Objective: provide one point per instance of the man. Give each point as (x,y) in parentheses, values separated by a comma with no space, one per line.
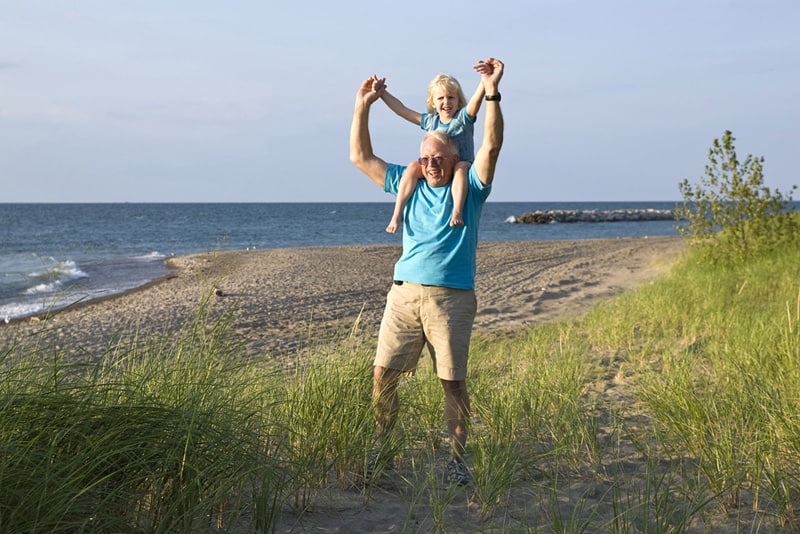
(432,301)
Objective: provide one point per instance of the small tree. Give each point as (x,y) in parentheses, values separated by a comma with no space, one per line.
(731,213)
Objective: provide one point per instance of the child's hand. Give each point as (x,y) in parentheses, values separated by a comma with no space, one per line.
(483,67)
(378,85)
(372,88)
(490,70)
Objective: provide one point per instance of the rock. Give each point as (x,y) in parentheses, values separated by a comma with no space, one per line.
(571,216)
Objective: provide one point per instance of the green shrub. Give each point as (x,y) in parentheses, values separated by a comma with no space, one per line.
(730,213)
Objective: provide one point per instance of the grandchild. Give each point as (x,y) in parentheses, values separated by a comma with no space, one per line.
(447,110)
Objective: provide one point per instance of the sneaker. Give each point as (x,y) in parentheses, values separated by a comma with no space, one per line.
(458,473)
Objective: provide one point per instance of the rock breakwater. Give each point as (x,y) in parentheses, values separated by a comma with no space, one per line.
(572,216)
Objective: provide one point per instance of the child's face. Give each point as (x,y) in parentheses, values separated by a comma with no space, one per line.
(445,103)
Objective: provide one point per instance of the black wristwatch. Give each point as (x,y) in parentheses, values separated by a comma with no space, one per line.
(493,98)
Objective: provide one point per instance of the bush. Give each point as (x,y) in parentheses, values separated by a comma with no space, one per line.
(731,214)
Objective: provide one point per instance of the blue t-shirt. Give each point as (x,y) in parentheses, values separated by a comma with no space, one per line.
(435,253)
(461,128)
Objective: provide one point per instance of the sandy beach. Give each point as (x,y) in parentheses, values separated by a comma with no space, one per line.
(281,298)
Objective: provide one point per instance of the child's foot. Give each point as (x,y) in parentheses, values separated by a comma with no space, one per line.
(457,220)
(392,228)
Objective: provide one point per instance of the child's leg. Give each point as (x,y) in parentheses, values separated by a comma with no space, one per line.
(459,192)
(408,182)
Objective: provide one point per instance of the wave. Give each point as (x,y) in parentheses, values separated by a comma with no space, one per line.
(151,256)
(16,310)
(54,278)
(33,285)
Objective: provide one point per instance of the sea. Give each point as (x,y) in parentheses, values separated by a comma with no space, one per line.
(54,255)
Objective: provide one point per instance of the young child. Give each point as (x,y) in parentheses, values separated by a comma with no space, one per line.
(447,110)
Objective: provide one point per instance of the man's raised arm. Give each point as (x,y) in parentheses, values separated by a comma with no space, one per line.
(361,153)
(485,163)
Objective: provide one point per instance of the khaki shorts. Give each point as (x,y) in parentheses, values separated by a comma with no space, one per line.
(416,316)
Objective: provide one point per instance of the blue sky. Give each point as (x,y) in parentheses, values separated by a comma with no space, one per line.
(196,101)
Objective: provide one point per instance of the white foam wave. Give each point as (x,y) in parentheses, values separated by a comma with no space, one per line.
(15,310)
(55,277)
(43,288)
(151,256)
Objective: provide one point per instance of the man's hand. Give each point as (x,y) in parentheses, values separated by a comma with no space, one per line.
(491,71)
(371,90)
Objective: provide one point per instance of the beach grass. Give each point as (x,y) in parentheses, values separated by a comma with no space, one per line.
(672,408)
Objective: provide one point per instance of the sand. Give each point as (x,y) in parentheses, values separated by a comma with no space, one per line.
(282,298)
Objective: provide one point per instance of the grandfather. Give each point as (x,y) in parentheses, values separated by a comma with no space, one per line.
(432,300)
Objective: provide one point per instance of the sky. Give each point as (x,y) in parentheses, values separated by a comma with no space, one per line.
(251,101)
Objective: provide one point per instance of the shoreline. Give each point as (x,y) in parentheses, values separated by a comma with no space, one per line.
(44,316)
(281,299)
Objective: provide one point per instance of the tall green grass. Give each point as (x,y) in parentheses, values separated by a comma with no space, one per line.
(716,355)
(674,408)
(155,437)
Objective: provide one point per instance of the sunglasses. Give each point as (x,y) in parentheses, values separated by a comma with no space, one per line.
(435,161)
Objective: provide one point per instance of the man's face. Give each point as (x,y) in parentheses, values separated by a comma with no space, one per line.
(437,161)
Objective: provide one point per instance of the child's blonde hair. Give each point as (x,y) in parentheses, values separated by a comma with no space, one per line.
(448,83)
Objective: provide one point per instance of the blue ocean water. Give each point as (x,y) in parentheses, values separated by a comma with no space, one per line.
(52,255)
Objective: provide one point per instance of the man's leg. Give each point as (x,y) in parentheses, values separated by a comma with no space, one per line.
(456,414)
(449,315)
(400,343)
(386,405)
(385,399)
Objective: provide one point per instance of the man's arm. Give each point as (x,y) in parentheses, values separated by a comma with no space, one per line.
(474,104)
(485,162)
(361,153)
(400,109)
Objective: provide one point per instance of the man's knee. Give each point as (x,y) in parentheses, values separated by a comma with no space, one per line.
(384,377)
(378,373)
(455,389)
